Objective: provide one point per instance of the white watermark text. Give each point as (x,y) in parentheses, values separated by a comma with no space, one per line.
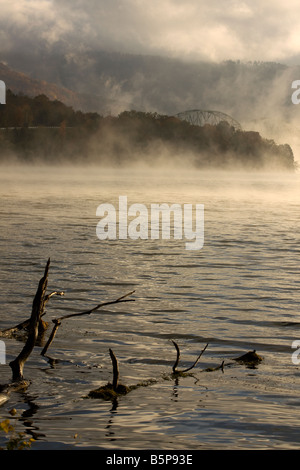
(140,222)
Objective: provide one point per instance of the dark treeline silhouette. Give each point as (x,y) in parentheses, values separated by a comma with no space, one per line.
(38,129)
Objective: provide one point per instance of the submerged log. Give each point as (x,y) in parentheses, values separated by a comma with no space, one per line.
(38,305)
(111,390)
(5,390)
(251,358)
(3,398)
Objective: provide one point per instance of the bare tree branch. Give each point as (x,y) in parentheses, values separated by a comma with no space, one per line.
(57,321)
(51,337)
(177,358)
(175,371)
(48,296)
(195,363)
(88,312)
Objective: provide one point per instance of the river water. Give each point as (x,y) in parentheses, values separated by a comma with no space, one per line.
(238,293)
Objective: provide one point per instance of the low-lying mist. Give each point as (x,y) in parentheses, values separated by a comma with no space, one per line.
(149,140)
(93,184)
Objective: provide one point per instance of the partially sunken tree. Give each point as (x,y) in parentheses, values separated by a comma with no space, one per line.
(17,365)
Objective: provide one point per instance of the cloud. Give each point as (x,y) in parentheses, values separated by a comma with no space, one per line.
(206,29)
(62,41)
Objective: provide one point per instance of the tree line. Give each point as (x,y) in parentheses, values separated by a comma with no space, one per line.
(40,129)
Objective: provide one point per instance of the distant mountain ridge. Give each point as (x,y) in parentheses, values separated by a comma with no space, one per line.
(20,83)
(111,82)
(257,94)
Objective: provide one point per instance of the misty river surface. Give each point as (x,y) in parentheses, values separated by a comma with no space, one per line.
(239,293)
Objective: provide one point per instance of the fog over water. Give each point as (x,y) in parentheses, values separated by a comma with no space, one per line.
(238,293)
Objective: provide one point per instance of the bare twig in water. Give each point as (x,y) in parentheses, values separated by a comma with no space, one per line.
(48,296)
(57,321)
(112,391)
(88,312)
(175,371)
(51,337)
(115,370)
(177,357)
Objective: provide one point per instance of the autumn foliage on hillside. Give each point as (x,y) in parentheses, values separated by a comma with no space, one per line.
(38,129)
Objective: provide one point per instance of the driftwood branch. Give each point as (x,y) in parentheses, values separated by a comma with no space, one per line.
(48,296)
(115,370)
(17,365)
(112,391)
(57,321)
(24,325)
(175,371)
(177,357)
(51,337)
(104,304)
(21,326)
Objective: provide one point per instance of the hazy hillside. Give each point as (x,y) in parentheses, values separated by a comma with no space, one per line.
(19,82)
(257,94)
(38,129)
(149,83)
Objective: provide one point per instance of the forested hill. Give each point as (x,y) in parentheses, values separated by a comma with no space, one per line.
(38,129)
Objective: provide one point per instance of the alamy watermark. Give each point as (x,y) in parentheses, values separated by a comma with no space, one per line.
(2,92)
(295,95)
(2,352)
(139,222)
(296,354)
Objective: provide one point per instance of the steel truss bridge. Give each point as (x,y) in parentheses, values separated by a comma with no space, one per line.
(200,117)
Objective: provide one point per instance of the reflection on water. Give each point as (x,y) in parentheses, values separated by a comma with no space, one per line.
(240,292)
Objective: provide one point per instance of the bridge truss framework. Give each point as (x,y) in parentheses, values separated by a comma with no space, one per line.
(200,117)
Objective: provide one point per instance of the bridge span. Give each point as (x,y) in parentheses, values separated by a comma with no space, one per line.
(200,117)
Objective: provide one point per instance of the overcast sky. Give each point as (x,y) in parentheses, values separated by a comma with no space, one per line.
(195,29)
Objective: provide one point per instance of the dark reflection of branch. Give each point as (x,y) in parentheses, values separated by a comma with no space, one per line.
(175,389)
(28,423)
(52,362)
(32,410)
(113,411)
(115,405)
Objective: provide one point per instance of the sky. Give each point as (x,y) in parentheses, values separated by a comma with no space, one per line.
(211,30)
